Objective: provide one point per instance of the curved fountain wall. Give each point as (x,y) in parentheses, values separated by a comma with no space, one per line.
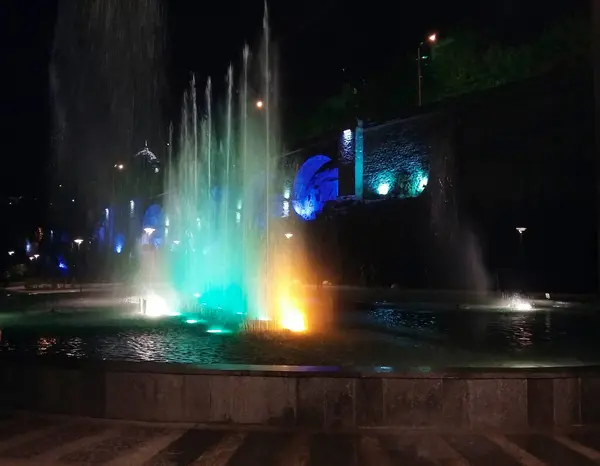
(317,397)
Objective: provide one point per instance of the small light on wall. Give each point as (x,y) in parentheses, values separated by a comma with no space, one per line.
(383,189)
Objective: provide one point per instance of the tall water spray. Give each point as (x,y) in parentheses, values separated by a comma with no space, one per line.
(219,194)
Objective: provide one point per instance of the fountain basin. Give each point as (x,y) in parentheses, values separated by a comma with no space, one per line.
(374,366)
(307,396)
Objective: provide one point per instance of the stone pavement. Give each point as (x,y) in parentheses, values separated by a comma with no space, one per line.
(46,441)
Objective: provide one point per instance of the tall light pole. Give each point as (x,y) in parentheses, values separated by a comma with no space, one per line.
(78,242)
(521,230)
(149,231)
(430,39)
(595,50)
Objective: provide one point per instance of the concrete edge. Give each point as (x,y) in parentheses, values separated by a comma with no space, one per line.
(422,372)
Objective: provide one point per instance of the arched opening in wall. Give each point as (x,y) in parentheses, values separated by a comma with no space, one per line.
(315,184)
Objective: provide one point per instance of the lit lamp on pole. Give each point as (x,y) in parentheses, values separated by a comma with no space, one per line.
(78,242)
(260,104)
(119,167)
(521,230)
(289,235)
(148,231)
(431,39)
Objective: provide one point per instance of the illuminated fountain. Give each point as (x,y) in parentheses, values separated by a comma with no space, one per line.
(518,303)
(220,251)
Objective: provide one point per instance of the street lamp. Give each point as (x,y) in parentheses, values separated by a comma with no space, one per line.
(259,104)
(431,38)
(521,230)
(11,253)
(289,235)
(149,230)
(78,242)
(119,166)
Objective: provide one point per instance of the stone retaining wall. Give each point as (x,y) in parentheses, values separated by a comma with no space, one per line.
(305,396)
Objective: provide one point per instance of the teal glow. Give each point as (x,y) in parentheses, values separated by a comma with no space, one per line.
(191,321)
(220,197)
(405,185)
(383,183)
(422,181)
(383,189)
(359,163)
(216,330)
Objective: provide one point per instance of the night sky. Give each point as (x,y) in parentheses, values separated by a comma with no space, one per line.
(316,39)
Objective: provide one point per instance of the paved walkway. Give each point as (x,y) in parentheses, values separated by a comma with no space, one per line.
(27,440)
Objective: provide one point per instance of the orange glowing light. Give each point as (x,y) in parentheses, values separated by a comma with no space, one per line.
(291,317)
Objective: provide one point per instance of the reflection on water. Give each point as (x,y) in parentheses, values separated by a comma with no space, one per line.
(568,332)
(45,345)
(183,344)
(433,335)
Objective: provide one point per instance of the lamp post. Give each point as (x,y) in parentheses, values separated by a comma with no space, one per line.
(149,231)
(521,230)
(430,39)
(595,51)
(78,242)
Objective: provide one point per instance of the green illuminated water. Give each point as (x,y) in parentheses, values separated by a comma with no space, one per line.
(218,182)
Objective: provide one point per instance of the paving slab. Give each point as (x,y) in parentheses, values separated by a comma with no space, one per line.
(28,439)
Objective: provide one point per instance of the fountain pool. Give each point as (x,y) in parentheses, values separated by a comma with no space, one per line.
(349,334)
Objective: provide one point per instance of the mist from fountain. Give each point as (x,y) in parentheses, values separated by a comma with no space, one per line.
(107,82)
(477,274)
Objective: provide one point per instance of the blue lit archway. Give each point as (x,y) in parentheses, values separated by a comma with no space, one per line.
(315,184)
